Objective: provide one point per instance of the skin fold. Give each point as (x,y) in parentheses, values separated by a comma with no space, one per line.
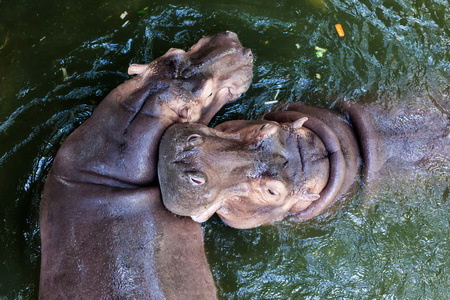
(104,230)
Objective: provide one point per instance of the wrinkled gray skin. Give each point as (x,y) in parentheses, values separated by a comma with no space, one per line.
(105,232)
(296,162)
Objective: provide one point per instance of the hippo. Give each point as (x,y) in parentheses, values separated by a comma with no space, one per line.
(296,162)
(105,233)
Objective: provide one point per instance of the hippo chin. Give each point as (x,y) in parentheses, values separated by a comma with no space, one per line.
(295,162)
(104,230)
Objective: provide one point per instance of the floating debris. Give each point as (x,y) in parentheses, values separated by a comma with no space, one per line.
(297,45)
(271,102)
(320,51)
(143,11)
(65,74)
(123,15)
(126,23)
(4,43)
(318,76)
(339,30)
(276,94)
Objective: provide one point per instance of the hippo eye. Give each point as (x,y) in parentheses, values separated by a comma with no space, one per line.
(194,140)
(272,192)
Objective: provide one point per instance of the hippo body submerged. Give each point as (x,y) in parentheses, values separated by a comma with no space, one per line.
(105,233)
(355,143)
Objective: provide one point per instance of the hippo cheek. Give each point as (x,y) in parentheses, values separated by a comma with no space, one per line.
(265,203)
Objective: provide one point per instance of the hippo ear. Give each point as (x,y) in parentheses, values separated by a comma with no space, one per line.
(268,129)
(137,69)
(303,201)
(309,197)
(299,123)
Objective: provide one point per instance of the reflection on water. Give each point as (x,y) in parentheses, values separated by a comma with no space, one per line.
(393,245)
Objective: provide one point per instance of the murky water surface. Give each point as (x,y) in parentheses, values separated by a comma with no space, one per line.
(58,59)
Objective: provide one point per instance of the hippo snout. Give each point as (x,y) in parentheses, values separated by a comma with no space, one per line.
(187,161)
(186,188)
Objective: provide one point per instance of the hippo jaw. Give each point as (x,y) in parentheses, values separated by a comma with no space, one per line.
(257,187)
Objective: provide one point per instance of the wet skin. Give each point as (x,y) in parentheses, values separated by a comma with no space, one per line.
(296,162)
(104,230)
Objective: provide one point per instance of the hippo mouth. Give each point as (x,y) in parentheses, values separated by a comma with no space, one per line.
(337,164)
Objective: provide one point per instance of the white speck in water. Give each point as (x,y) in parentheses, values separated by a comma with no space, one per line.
(276,94)
(64,71)
(270,102)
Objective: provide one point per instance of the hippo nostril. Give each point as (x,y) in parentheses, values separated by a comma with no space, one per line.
(196,178)
(194,140)
(193,137)
(197,181)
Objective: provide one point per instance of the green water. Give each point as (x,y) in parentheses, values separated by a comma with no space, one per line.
(391,245)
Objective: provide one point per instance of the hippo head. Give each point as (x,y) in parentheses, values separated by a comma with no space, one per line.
(248,172)
(192,86)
